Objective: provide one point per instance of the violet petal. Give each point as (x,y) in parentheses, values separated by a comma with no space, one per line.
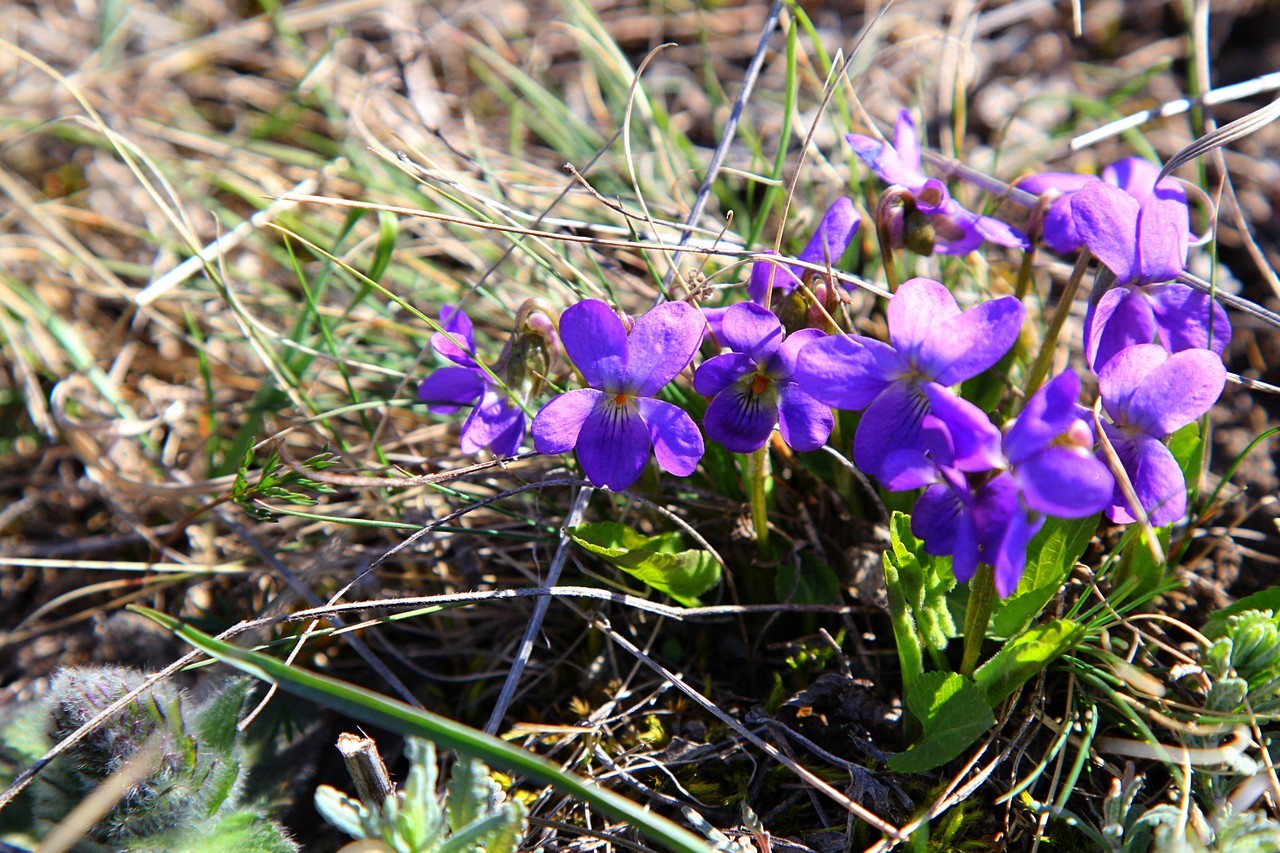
(963,346)
(1065,482)
(596,342)
(834,233)
(1157,480)
(892,420)
(1047,415)
(916,309)
(493,423)
(751,329)
(846,371)
(975,441)
(613,445)
(741,420)
(1107,219)
(1122,318)
(677,444)
(1162,240)
(717,373)
(782,364)
(449,388)
(1188,319)
(805,423)
(661,344)
(1177,392)
(558,424)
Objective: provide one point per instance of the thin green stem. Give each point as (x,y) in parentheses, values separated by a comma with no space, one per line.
(757,472)
(1044,359)
(982,600)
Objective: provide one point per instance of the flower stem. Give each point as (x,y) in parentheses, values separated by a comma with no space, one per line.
(757,472)
(1044,359)
(982,600)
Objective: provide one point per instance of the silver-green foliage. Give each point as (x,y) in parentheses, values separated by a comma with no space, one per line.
(188,793)
(473,814)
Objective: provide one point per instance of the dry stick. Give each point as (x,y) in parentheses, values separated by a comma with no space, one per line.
(726,138)
(769,749)
(539,612)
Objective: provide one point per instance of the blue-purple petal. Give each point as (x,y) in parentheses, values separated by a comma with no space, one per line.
(1001,233)
(1162,240)
(1107,220)
(613,445)
(718,373)
(449,388)
(661,344)
(782,364)
(805,423)
(1177,392)
(1011,555)
(846,371)
(785,278)
(1047,415)
(974,440)
(963,346)
(677,444)
(457,325)
(493,423)
(885,162)
(834,233)
(916,309)
(1063,182)
(751,329)
(1122,376)
(1188,319)
(740,419)
(892,420)
(596,342)
(944,523)
(1065,482)
(558,424)
(1157,480)
(1120,319)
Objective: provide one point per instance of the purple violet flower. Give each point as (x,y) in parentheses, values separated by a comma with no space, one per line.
(1134,175)
(1149,393)
(956,231)
(830,240)
(933,343)
(494,422)
(615,423)
(1144,244)
(1048,469)
(752,386)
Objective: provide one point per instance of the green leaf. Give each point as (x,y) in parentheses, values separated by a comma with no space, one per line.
(925,581)
(1050,557)
(393,715)
(954,715)
(1188,448)
(1267,599)
(1024,656)
(817,583)
(656,561)
(215,722)
(470,788)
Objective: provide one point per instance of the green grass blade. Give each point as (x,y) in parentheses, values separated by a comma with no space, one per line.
(378,710)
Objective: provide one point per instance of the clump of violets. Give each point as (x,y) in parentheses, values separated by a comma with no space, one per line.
(1149,393)
(752,389)
(987,497)
(615,423)
(1144,243)
(917,212)
(933,344)
(495,422)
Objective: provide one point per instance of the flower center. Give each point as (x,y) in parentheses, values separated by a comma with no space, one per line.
(760,383)
(621,399)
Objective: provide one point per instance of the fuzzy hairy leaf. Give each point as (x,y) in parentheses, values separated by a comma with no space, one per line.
(924,581)
(656,561)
